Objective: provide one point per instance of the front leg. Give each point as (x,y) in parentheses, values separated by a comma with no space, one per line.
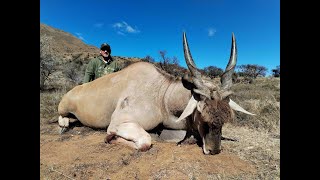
(130,134)
(187,139)
(191,138)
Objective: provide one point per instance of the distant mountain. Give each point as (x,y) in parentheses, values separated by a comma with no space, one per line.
(65,44)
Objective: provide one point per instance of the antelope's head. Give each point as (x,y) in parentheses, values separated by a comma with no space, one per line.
(210,105)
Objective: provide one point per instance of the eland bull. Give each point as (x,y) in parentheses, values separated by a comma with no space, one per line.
(130,102)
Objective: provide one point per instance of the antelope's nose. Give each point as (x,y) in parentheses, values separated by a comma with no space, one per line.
(216,151)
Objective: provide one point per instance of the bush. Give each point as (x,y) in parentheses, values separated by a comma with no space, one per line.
(251,70)
(47,60)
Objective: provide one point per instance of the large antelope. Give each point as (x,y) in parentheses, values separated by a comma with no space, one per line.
(130,102)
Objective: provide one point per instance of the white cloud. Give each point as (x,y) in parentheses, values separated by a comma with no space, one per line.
(120,33)
(123,28)
(130,29)
(117,25)
(211,32)
(98,25)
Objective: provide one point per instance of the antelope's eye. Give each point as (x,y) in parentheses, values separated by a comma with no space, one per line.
(213,126)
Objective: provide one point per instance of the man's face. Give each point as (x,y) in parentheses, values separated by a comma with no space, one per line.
(104,53)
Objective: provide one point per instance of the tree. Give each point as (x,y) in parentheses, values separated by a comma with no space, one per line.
(276,72)
(212,71)
(165,62)
(251,70)
(47,60)
(170,65)
(175,60)
(148,59)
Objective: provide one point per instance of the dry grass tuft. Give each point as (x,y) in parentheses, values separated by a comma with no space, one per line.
(261,98)
(49,102)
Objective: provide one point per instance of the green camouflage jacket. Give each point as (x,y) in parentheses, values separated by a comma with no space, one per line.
(97,68)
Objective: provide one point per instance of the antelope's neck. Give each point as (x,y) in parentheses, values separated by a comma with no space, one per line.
(176,98)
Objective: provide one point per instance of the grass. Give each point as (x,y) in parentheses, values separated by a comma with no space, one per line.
(261,98)
(49,102)
(260,147)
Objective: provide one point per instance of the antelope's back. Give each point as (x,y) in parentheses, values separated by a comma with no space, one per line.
(93,103)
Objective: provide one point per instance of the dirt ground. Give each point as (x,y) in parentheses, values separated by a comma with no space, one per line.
(81,153)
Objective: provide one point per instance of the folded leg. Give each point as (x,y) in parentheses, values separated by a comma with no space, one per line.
(130,134)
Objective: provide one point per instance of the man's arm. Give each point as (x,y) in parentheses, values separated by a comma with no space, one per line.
(89,73)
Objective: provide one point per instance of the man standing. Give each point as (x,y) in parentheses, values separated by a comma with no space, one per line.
(101,65)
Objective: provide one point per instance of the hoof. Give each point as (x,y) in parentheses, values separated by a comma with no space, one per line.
(187,141)
(61,130)
(110,138)
(144,147)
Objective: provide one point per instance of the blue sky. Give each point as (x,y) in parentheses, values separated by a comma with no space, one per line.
(145,27)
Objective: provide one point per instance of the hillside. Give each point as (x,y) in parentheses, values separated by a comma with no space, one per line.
(65,44)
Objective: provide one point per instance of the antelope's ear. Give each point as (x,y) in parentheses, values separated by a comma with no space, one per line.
(189,109)
(236,107)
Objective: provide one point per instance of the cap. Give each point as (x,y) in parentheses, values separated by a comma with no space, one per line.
(105,46)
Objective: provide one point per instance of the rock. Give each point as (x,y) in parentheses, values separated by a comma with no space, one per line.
(172,135)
